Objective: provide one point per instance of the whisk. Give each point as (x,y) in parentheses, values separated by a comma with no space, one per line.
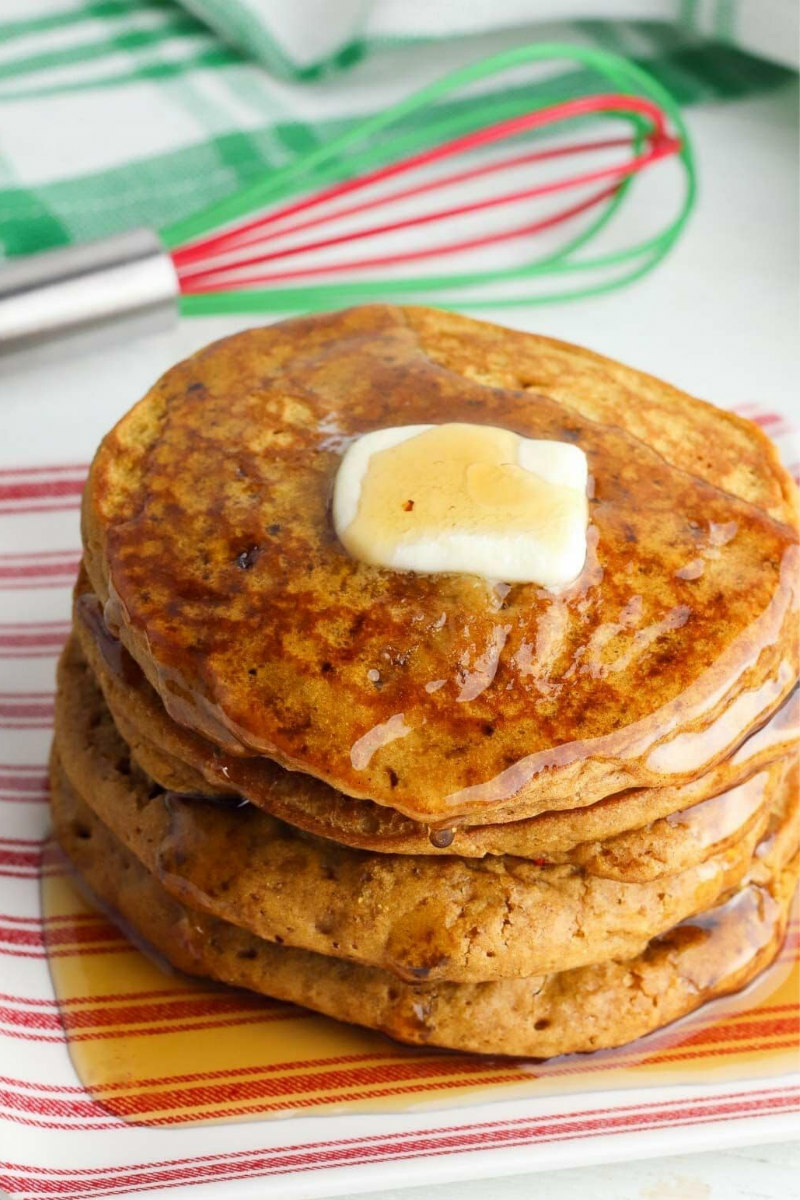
(341,224)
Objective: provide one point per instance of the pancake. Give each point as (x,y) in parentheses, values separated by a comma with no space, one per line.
(447,918)
(589,1008)
(744,461)
(208,539)
(636,836)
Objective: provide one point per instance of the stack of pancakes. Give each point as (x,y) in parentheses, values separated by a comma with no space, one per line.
(469,814)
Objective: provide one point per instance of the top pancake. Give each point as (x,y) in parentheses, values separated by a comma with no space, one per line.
(206,525)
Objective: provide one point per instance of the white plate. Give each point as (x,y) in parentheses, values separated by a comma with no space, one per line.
(52,1140)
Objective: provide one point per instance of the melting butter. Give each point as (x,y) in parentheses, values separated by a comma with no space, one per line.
(472,499)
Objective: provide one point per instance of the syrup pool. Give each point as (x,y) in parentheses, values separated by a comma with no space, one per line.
(156,1048)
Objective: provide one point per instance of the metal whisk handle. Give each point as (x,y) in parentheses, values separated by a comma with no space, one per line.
(76,293)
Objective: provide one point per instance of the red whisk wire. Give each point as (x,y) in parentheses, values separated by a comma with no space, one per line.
(197,276)
(489,239)
(618,171)
(476,172)
(568,110)
(419,189)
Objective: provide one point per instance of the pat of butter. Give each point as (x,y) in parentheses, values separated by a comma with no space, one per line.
(471,499)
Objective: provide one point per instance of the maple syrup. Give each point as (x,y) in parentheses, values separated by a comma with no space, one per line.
(154,1047)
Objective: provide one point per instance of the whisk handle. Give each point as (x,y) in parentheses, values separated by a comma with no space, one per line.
(78,294)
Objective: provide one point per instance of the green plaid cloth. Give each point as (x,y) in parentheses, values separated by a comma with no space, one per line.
(117,113)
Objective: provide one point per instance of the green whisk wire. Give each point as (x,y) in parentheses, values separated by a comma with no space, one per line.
(346,155)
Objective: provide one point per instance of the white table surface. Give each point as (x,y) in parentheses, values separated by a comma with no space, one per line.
(718,318)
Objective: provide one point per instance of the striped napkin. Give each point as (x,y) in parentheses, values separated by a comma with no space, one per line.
(308,40)
(117,113)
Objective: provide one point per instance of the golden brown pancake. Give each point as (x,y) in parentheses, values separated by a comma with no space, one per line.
(208,537)
(742,460)
(589,1008)
(635,836)
(445,918)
